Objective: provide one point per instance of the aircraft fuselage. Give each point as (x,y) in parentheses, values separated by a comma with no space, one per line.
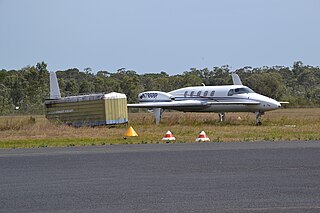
(219,99)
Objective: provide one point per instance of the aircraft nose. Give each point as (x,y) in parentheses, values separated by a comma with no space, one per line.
(276,104)
(273,104)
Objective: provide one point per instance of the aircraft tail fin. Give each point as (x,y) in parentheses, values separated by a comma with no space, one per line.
(54,86)
(236,79)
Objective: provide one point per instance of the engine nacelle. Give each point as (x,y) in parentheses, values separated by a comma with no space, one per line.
(153,96)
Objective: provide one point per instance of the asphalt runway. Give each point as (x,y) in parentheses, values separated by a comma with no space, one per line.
(190,177)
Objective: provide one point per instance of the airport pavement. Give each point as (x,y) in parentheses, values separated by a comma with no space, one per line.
(190,177)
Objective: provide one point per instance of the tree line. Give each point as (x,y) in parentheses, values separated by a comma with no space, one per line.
(24,91)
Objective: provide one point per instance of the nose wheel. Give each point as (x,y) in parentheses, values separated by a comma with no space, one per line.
(258,118)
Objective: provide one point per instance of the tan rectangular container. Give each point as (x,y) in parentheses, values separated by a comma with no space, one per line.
(89,110)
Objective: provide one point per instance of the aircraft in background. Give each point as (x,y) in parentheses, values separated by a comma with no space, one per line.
(85,110)
(218,99)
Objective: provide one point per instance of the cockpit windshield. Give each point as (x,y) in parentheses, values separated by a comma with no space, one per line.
(240,90)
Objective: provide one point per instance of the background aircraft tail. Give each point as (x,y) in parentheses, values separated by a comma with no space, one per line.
(54,86)
(236,79)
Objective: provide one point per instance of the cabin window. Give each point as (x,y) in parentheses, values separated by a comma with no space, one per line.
(191,94)
(185,93)
(205,93)
(199,93)
(212,93)
(231,92)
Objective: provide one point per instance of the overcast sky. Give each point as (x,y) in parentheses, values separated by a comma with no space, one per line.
(151,36)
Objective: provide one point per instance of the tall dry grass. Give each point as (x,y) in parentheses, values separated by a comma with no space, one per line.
(283,124)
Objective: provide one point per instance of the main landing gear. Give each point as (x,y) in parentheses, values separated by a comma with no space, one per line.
(157,114)
(222,116)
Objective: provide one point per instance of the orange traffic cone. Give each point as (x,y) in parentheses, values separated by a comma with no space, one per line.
(130,133)
(169,137)
(202,137)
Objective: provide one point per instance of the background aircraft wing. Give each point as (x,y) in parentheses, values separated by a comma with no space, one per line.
(169,104)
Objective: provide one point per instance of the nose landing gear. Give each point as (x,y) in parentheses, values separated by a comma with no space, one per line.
(258,118)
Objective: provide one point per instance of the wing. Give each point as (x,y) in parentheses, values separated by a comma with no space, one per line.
(189,103)
(169,104)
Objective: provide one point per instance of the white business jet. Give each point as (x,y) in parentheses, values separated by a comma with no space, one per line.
(218,99)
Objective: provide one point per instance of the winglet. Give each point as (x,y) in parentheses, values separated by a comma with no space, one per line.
(54,86)
(236,79)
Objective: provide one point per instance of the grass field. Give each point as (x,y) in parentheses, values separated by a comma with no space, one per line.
(283,124)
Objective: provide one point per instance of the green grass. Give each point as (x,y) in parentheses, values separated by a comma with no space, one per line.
(283,124)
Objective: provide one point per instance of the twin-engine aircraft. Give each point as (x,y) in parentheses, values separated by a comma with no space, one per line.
(218,99)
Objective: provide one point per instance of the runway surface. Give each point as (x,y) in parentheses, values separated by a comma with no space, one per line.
(191,177)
